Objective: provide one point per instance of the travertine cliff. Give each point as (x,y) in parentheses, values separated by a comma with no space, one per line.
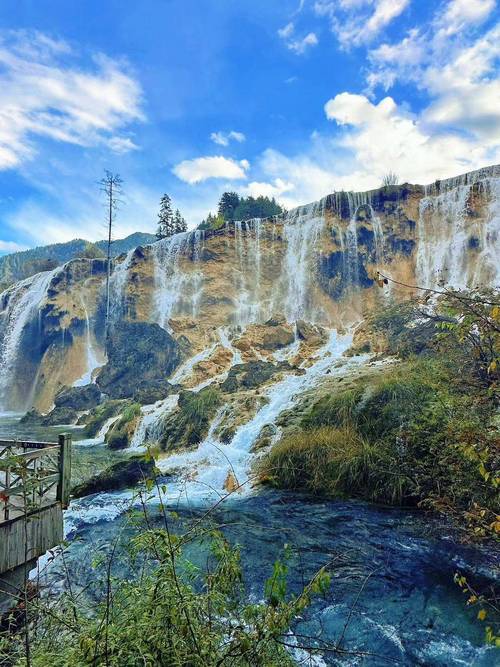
(208,300)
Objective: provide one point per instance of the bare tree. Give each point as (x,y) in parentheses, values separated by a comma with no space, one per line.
(111,185)
(390,178)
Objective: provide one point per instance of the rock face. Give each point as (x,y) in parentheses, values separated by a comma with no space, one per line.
(138,353)
(244,293)
(121,475)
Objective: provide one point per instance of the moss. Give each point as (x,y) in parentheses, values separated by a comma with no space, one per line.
(122,431)
(189,425)
(99,415)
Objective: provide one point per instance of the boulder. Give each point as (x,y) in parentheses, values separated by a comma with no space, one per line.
(121,475)
(79,398)
(59,415)
(251,375)
(138,351)
(310,333)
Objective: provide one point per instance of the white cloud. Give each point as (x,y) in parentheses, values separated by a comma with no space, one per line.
(356,22)
(461,14)
(41,94)
(224,138)
(276,188)
(297,45)
(202,168)
(384,137)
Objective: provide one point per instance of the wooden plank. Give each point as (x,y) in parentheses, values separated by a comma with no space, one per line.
(29,537)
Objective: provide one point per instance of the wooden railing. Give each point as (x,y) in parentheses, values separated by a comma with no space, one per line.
(33,476)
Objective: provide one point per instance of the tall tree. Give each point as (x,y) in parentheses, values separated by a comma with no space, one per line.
(111,185)
(165,218)
(228,204)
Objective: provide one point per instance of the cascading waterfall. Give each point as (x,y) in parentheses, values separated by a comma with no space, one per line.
(212,460)
(448,236)
(93,362)
(488,261)
(149,428)
(117,287)
(247,239)
(176,289)
(23,304)
(302,230)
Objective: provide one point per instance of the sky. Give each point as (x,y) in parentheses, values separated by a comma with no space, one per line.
(287,98)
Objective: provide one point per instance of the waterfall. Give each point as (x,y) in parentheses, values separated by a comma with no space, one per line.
(378,233)
(488,262)
(150,425)
(302,230)
(118,286)
(93,361)
(247,240)
(206,468)
(175,288)
(23,302)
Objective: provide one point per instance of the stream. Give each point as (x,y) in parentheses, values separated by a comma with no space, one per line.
(409,611)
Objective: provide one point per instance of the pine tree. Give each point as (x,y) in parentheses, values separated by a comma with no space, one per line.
(165,218)
(180,225)
(228,204)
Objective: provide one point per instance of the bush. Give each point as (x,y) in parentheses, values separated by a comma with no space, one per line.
(333,461)
(121,432)
(408,436)
(189,425)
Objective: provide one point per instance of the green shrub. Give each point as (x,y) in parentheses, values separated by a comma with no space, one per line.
(99,415)
(120,433)
(189,425)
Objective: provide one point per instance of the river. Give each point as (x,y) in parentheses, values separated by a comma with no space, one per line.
(409,611)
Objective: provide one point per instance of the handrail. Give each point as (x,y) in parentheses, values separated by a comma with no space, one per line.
(32,478)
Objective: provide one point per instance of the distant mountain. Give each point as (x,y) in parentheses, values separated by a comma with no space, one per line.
(26,263)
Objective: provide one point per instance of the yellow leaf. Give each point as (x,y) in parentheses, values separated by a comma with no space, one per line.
(481,614)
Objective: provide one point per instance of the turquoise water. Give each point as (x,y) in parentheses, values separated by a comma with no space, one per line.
(409,612)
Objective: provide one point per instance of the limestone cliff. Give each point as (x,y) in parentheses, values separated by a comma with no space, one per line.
(206,301)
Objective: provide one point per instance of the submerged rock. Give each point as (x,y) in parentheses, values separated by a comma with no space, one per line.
(138,351)
(121,475)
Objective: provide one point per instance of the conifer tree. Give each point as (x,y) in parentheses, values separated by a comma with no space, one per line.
(165,218)
(180,224)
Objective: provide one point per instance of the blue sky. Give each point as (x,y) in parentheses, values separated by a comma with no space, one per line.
(193,97)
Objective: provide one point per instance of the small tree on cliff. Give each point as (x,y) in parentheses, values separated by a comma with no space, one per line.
(169,223)
(165,218)
(180,224)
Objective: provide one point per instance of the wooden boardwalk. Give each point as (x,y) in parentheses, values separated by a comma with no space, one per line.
(35,481)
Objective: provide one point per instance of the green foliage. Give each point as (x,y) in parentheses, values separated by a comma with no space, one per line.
(172,612)
(169,223)
(119,435)
(92,251)
(99,415)
(233,207)
(407,436)
(189,425)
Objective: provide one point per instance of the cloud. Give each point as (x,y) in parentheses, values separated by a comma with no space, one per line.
(356,22)
(385,137)
(202,168)
(276,188)
(224,138)
(44,92)
(297,45)
(461,14)
(453,65)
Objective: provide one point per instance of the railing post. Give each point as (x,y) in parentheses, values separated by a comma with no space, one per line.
(64,486)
